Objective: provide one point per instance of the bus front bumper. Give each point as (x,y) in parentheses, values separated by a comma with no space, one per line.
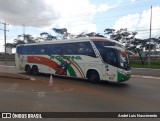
(124,76)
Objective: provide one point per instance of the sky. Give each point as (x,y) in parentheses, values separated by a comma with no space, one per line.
(78,16)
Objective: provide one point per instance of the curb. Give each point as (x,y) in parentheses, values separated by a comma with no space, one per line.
(15,76)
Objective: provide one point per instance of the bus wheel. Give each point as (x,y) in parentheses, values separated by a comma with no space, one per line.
(35,70)
(28,69)
(93,77)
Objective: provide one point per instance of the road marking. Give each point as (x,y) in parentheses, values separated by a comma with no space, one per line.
(37,106)
(146,69)
(31,78)
(57,89)
(7,66)
(13,87)
(136,76)
(146,77)
(41,94)
(151,77)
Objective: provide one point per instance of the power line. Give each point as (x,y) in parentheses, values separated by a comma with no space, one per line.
(73,22)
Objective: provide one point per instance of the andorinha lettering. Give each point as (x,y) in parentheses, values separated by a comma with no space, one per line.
(66,57)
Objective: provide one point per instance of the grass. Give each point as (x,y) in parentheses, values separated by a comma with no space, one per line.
(154,64)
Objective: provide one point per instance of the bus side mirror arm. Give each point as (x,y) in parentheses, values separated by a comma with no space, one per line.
(131,53)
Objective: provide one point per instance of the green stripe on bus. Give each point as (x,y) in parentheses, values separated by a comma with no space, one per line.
(79,67)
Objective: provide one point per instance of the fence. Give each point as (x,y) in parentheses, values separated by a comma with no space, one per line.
(7,57)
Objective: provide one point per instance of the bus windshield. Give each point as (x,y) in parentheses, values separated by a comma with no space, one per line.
(123,60)
(115,57)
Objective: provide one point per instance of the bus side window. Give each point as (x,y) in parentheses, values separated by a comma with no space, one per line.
(42,49)
(111,57)
(69,49)
(33,50)
(25,50)
(57,49)
(54,49)
(81,48)
(85,48)
(19,50)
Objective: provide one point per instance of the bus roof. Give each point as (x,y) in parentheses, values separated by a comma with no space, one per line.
(82,39)
(104,39)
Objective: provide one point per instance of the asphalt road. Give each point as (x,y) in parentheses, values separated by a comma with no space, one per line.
(76,95)
(145,71)
(73,95)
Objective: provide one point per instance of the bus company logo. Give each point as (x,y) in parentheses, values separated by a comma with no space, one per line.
(66,57)
(111,75)
(6,115)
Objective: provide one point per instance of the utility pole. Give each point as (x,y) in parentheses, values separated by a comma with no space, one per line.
(4,39)
(149,58)
(23,32)
(4,35)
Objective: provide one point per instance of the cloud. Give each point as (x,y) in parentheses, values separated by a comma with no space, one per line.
(28,12)
(141,23)
(105,7)
(130,21)
(76,15)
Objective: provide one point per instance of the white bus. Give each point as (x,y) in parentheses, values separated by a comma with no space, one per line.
(94,58)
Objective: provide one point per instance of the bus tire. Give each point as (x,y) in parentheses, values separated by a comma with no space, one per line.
(28,69)
(35,70)
(93,76)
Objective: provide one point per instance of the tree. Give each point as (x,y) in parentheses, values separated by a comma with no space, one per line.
(111,33)
(10,45)
(17,42)
(48,36)
(24,39)
(62,33)
(83,34)
(139,46)
(127,38)
(27,38)
(122,35)
(91,34)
